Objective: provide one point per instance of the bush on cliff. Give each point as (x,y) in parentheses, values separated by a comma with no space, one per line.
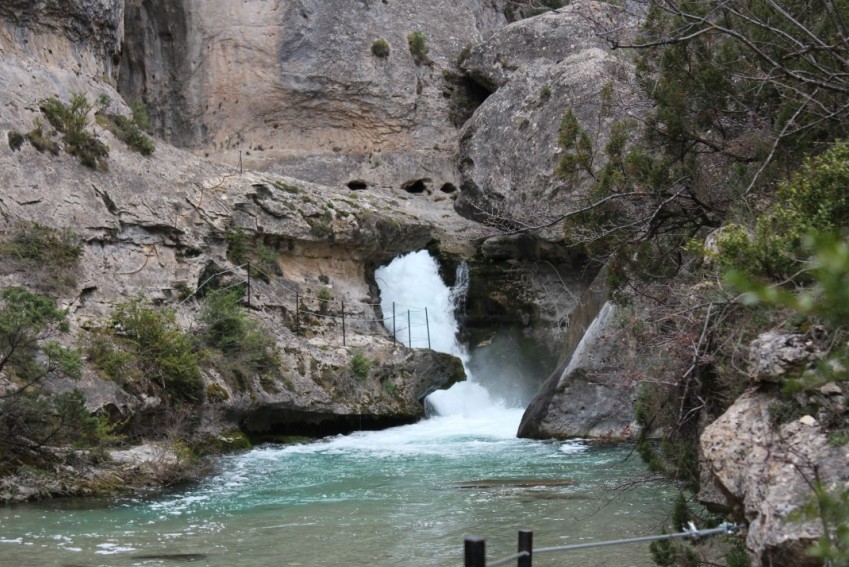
(239,348)
(129,130)
(380,48)
(417,42)
(48,256)
(72,121)
(32,420)
(146,352)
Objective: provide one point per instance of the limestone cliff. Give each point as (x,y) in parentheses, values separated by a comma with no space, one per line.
(157,226)
(294,86)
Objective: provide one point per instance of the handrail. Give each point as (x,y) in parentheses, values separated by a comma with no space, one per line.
(475,546)
(299,309)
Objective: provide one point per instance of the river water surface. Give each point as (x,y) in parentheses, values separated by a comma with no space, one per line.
(405,496)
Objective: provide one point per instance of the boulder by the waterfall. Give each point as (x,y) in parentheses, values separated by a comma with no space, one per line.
(540,67)
(585,396)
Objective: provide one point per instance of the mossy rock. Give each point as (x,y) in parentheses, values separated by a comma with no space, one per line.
(230,441)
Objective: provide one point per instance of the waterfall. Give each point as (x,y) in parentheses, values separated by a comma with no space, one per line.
(461,287)
(411,283)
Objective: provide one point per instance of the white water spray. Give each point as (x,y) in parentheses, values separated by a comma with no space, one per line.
(409,284)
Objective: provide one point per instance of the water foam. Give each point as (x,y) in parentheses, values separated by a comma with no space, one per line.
(413,282)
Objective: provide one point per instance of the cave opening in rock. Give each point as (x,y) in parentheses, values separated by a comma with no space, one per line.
(416,186)
(448,188)
(357,185)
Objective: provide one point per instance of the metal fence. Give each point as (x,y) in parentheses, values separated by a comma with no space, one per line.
(475,547)
(410,325)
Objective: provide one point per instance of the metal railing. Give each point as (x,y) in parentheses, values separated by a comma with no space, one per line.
(475,547)
(325,309)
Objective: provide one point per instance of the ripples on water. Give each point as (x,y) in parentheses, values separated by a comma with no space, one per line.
(378,498)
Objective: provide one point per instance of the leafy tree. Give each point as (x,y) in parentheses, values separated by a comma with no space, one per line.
(27,355)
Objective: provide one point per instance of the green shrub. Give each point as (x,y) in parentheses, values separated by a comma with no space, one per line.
(29,419)
(243,249)
(545,93)
(390,388)
(29,422)
(216,393)
(50,257)
(360,364)
(128,131)
(380,48)
(814,200)
(146,351)
(244,350)
(16,140)
(28,322)
(417,43)
(41,141)
(72,121)
(324,297)
(140,115)
(291,189)
(321,226)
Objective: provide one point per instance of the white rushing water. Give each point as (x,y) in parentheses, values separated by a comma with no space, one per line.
(411,284)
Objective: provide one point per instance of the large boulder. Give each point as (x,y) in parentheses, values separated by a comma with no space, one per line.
(541,67)
(763,472)
(774,356)
(586,396)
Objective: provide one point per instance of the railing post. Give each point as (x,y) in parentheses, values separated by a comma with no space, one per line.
(526,543)
(297,312)
(427,324)
(475,555)
(409,331)
(343,324)
(394,337)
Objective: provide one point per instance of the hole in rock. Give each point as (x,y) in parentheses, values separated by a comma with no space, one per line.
(448,188)
(357,185)
(416,186)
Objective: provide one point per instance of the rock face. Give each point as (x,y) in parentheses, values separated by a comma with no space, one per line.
(292,85)
(80,35)
(154,226)
(539,68)
(774,356)
(586,396)
(761,472)
(368,145)
(528,285)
